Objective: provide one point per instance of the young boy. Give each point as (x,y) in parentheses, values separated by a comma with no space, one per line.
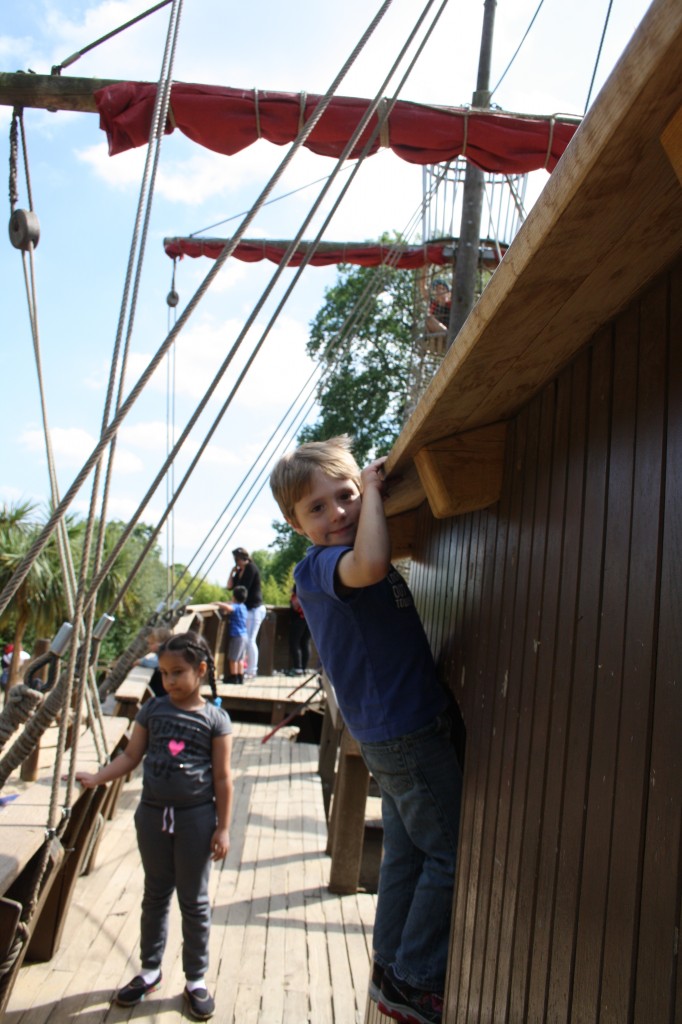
(237,635)
(376,655)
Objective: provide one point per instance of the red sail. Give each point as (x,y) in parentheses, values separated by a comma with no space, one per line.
(228,120)
(364,254)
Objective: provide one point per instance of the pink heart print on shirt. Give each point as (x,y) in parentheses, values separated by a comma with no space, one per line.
(176,747)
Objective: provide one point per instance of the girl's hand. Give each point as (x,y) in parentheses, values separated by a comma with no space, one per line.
(87,779)
(220,843)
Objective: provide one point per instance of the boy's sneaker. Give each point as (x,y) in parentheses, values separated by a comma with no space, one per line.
(406,1004)
(201,1004)
(135,991)
(374,987)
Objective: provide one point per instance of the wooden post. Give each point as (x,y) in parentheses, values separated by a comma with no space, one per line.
(29,769)
(348,814)
(326,764)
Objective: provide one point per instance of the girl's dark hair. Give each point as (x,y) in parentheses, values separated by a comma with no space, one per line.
(194,650)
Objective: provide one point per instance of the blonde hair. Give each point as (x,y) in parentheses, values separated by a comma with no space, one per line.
(291,477)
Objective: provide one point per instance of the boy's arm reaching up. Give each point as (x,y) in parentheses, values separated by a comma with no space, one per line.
(370,559)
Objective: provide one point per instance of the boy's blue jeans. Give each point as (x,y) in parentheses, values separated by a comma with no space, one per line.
(421,785)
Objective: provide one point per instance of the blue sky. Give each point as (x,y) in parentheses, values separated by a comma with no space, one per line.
(86,203)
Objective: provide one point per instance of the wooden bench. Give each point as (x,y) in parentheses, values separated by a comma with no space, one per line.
(132,694)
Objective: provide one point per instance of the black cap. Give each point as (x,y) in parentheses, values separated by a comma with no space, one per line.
(240,553)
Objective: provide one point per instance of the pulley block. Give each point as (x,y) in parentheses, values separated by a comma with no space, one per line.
(24,229)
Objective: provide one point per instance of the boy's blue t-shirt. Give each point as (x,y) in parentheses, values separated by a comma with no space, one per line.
(373,648)
(238,620)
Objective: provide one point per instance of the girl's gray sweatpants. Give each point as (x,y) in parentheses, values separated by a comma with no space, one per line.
(175,847)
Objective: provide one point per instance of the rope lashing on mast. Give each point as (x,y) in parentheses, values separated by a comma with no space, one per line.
(20,574)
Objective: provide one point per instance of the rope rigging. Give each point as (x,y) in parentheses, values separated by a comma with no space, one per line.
(29,240)
(107,431)
(373,286)
(252,316)
(285,260)
(13,584)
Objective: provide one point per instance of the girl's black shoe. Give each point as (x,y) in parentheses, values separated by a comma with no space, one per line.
(201,1004)
(135,991)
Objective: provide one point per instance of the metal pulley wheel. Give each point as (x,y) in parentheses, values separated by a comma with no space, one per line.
(24,229)
(172,298)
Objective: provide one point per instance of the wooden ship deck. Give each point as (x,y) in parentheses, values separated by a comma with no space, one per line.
(283,947)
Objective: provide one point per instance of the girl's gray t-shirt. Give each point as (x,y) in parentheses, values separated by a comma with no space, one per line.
(178,770)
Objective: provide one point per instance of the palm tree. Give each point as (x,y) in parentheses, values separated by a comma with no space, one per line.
(39,601)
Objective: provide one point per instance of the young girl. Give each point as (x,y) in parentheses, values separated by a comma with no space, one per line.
(183,817)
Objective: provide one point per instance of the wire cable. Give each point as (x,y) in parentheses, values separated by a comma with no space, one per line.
(516,51)
(596,63)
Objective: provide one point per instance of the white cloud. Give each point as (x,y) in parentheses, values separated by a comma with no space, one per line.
(186,174)
(72,446)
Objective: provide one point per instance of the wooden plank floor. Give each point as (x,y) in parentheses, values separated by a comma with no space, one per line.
(283,949)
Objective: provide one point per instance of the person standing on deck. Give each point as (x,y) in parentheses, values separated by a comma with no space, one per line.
(245,574)
(182,821)
(299,637)
(236,635)
(376,654)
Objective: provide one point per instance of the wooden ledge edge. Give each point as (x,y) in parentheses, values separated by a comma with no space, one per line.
(671,140)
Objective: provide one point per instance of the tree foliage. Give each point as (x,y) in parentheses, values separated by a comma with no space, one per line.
(363,336)
(39,601)
(40,604)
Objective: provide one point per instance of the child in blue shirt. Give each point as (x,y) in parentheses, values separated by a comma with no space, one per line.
(237,634)
(376,654)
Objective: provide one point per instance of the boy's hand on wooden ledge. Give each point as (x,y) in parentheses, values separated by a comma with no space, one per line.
(373,475)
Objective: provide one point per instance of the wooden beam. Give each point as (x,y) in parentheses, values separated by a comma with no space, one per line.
(51,92)
(405,491)
(402,531)
(672,142)
(463,473)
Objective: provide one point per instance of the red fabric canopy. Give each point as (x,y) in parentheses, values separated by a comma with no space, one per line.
(364,254)
(228,120)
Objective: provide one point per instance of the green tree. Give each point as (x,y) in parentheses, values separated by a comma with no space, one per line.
(364,338)
(146,590)
(195,589)
(38,603)
(276,581)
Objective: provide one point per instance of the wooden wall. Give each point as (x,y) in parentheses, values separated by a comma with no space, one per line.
(556,617)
